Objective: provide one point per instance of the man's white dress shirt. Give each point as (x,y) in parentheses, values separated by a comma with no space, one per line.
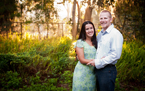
(109,48)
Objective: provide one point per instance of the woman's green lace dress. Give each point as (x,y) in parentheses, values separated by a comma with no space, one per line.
(83,77)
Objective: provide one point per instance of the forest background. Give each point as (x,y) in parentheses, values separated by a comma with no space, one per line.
(37,39)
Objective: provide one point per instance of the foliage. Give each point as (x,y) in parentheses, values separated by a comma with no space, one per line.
(118,86)
(129,19)
(15,44)
(67,77)
(42,87)
(11,80)
(131,64)
(39,64)
(7,9)
(42,10)
(129,16)
(11,62)
(49,64)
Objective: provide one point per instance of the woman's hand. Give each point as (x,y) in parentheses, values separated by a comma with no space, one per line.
(92,62)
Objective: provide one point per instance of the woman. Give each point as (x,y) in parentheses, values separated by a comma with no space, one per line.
(84,78)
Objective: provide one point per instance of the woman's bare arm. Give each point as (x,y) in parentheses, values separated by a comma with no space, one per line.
(80,55)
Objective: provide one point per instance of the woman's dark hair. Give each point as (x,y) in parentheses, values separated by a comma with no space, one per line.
(83,33)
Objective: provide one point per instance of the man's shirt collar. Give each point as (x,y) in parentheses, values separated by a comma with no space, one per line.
(108,30)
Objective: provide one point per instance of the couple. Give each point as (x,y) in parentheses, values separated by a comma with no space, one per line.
(96,69)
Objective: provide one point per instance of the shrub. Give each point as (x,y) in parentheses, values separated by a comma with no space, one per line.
(131,65)
(11,80)
(38,66)
(11,62)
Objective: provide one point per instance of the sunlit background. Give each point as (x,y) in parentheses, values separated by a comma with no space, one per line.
(37,39)
(46,18)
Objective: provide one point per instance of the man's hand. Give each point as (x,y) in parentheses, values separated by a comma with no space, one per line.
(92,63)
(103,57)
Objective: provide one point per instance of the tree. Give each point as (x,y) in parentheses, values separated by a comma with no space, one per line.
(73,20)
(44,10)
(14,8)
(48,9)
(7,9)
(130,18)
(78,23)
(87,16)
(88,11)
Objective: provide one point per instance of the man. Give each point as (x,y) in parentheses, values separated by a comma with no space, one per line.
(110,42)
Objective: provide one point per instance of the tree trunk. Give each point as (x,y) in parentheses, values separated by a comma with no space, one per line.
(47,30)
(78,17)
(39,31)
(88,13)
(73,21)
